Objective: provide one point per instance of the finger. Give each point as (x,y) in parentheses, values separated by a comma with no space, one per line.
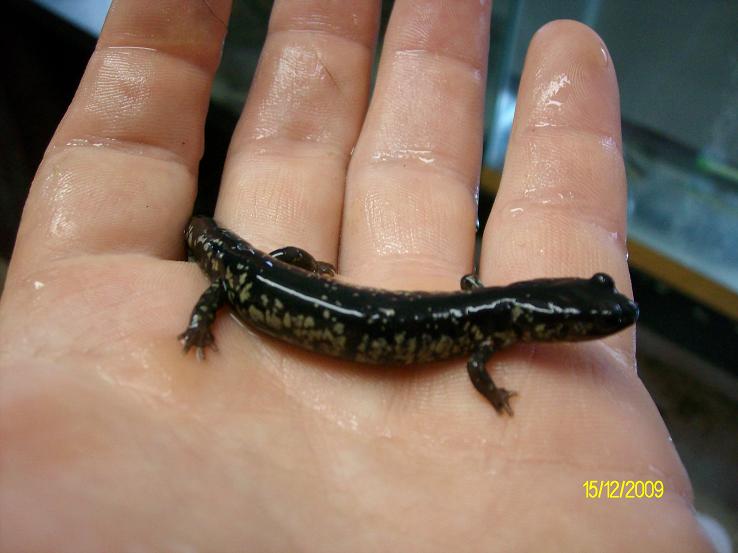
(410,209)
(120,172)
(560,210)
(285,173)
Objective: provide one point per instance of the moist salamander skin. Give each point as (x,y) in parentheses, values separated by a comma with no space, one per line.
(291,296)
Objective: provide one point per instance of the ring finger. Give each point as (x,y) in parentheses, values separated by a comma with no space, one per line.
(284,176)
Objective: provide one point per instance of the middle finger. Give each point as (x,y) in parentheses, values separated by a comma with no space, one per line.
(410,209)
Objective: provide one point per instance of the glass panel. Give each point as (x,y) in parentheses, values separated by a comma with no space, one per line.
(85,14)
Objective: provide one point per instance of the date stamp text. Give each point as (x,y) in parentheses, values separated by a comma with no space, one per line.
(623,489)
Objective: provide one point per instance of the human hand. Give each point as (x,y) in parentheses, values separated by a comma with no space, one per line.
(113,440)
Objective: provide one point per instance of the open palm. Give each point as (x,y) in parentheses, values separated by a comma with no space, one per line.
(112,440)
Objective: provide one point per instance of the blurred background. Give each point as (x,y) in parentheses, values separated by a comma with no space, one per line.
(677,65)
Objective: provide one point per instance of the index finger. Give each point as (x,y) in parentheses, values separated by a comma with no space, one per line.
(561,207)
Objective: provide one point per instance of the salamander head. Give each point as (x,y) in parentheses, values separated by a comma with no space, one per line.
(571,309)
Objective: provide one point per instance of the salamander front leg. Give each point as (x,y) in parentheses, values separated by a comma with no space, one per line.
(198,333)
(471,281)
(300,258)
(477,367)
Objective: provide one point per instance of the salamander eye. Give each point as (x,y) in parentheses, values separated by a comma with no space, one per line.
(603,280)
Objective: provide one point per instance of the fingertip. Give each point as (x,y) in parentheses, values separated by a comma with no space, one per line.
(576,32)
(569,81)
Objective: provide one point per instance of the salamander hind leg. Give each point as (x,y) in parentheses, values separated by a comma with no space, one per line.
(471,281)
(198,333)
(300,258)
(477,367)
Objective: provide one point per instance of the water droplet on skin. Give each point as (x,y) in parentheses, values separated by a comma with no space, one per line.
(605,56)
(238,321)
(550,90)
(424,156)
(475,198)
(609,142)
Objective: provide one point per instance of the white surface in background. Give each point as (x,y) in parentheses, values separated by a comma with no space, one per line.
(717,534)
(85,14)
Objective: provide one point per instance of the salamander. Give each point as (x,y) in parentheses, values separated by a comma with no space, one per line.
(290,295)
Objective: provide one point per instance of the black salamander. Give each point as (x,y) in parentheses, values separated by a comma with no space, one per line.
(290,295)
